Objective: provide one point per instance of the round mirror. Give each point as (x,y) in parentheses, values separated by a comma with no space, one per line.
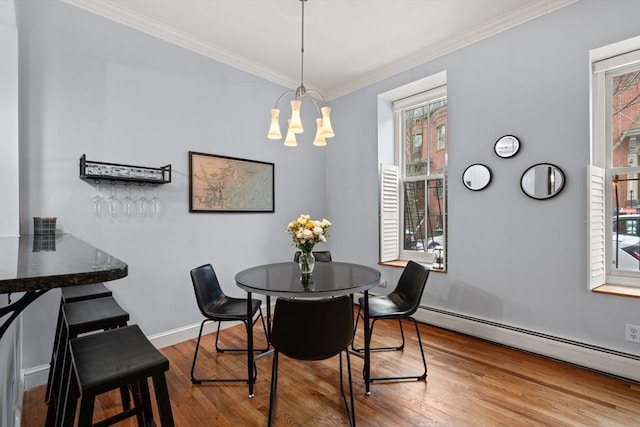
(542,181)
(476,177)
(507,146)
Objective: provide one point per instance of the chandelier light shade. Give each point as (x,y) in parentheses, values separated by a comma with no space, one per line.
(323,120)
(290,140)
(274,130)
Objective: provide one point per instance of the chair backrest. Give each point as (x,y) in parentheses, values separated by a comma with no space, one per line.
(320,256)
(410,287)
(206,287)
(312,329)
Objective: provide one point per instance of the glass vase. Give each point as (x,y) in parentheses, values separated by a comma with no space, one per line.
(306,262)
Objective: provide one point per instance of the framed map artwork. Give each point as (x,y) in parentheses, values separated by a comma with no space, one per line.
(228,184)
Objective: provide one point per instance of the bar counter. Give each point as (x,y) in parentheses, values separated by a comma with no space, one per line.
(36,264)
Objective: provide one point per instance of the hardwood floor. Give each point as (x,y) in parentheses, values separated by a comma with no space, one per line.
(470,383)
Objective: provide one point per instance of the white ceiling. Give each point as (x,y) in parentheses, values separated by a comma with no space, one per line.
(348,43)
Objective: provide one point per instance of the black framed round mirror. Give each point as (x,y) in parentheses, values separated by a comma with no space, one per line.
(542,181)
(507,146)
(476,177)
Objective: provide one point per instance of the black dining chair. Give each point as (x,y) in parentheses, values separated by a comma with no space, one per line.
(320,256)
(312,330)
(215,306)
(399,305)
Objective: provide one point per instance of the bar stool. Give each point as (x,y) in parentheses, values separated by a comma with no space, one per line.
(73,294)
(83,317)
(84,292)
(98,363)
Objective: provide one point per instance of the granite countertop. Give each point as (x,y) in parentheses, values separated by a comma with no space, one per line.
(31,263)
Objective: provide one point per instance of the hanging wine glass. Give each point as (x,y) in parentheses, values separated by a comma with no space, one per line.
(144,205)
(100,206)
(155,202)
(116,207)
(129,205)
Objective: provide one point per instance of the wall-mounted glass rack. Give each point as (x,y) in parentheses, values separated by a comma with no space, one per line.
(92,170)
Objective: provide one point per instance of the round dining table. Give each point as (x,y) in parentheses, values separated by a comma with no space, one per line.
(329,279)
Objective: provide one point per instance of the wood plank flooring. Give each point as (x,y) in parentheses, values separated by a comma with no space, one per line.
(470,382)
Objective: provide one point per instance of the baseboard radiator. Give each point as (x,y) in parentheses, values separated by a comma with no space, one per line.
(620,364)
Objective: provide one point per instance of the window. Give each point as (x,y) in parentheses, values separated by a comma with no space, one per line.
(413,199)
(614,239)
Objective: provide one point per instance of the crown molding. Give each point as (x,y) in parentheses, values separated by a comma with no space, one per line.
(507,21)
(114,12)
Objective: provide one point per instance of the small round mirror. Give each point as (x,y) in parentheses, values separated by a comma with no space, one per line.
(476,177)
(542,181)
(507,146)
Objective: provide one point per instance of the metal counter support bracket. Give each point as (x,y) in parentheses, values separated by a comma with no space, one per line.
(16,308)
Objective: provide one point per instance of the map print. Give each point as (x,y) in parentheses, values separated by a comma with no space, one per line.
(225,184)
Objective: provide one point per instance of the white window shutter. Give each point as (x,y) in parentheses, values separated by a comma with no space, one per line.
(596,227)
(389,213)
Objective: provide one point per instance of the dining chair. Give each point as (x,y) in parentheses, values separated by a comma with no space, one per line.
(312,330)
(215,306)
(399,305)
(320,256)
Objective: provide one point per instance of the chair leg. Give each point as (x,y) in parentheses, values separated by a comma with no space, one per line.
(195,380)
(351,413)
(55,353)
(274,387)
(162,398)
(142,401)
(420,377)
(260,350)
(87,404)
(195,354)
(72,394)
(373,321)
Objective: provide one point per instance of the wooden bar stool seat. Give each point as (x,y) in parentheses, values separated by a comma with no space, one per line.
(84,292)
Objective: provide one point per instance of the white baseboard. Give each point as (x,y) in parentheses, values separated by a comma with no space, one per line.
(36,376)
(186,333)
(600,359)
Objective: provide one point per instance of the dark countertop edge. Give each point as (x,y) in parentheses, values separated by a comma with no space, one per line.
(25,284)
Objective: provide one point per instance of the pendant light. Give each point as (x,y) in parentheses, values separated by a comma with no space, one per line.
(323,122)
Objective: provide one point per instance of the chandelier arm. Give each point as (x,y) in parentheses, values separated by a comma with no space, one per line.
(315,102)
(280,97)
(319,95)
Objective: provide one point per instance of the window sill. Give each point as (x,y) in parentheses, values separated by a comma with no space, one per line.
(624,291)
(401,263)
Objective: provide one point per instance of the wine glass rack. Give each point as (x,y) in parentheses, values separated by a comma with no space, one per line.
(98,171)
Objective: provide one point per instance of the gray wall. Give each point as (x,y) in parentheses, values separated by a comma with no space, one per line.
(89,85)
(512,260)
(93,86)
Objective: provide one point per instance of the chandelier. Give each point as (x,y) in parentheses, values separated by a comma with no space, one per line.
(323,122)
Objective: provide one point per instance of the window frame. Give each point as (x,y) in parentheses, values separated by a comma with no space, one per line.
(605,63)
(392,223)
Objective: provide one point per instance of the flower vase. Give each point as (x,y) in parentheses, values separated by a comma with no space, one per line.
(306,262)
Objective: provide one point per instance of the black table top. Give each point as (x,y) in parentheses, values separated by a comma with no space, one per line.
(30,263)
(328,279)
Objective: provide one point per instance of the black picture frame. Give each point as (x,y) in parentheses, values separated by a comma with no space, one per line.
(230,184)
